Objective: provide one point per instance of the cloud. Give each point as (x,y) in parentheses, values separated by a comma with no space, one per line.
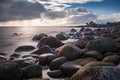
(115,17)
(20,10)
(71,1)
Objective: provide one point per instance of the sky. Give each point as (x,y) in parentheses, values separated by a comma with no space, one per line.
(58,12)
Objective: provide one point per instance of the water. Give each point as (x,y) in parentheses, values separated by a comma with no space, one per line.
(9,42)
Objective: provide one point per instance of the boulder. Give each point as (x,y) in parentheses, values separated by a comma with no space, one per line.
(38,37)
(112,58)
(24,48)
(110,53)
(42,50)
(95,54)
(70,51)
(57,62)
(32,71)
(61,36)
(71,67)
(81,43)
(97,72)
(45,59)
(15,55)
(2,58)
(102,45)
(55,74)
(50,41)
(10,71)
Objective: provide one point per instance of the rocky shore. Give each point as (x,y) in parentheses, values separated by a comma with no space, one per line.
(94,54)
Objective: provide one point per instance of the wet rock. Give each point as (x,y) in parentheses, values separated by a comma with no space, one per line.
(70,51)
(50,41)
(112,58)
(15,55)
(55,74)
(95,73)
(38,37)
(57,62)
(32,71)
(71,67)
(2,58)
(3,54)
(42,50)
(73,30)
(95,54)
(102,45)
(46,58)
(10,71)
(24,62)
(111,53)
(81,43)
(24,48)
(93,64)
(61,36)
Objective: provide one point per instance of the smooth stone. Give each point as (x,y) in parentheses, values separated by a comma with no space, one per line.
(97,72)
(24,48)
(95,54)
(70,51)
(2,58)
(32,71)
(45,59)
(102,45)
(112,58)
(50,41)
(10,71)
(38,37)
(57,62)
(15,55)
(55,74)
(61,36)
(42,50)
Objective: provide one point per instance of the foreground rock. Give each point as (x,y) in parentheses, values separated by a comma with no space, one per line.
(10,71)
(102,45)
(61,36)
(56,63)
(112,58)
(99,72)
(33,71)
(70,51)
(42,50)
(24,48)
(55,74)
(38,37)
(71,67)
(50,41)
(46,58)
(95,54)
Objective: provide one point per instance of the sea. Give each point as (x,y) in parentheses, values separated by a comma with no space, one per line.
(9,41)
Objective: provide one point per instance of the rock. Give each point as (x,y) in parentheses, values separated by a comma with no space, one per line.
(102,45)
(73,30)
(93,64)
(112,58)
(81,43)
(38,37)
(10,71)
(42,50)
(95,54)
(32,71)
(23,63)
(55,74)
(2,58)
(45,59)
(50,41)
(97,73)
(71,67)
(15,55)
(61,36)
(70,51)
(57,62)
(111,53)
(3,54)
(24,48)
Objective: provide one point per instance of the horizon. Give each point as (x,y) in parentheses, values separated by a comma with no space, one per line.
(58,12)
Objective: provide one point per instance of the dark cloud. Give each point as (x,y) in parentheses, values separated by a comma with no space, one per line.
(20,10)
